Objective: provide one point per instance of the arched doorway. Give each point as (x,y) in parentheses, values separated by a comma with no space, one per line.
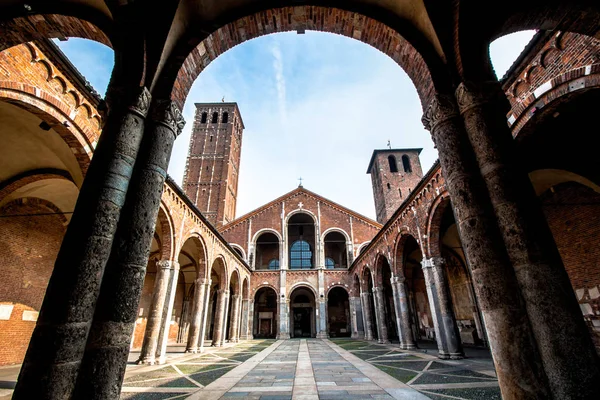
(302,316)
(388,300)
(338,313)
(265,313)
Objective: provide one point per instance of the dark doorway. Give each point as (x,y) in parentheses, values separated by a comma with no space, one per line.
(338,313)
(302,317)
(302,313)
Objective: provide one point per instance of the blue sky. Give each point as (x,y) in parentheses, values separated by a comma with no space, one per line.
(314,105)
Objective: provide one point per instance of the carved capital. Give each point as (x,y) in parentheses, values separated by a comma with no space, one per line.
(167,264)
(441,108)
(469,94)
(432,262)
(141,103)
(166,112)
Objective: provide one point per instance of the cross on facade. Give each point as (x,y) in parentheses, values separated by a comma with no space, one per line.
(389,144)
(300,184)
(300,205)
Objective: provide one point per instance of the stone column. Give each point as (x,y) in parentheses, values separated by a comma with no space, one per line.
(356,319)
(225,319)
(284,318)
(244,335)
(57,344)
(380,317)
(250,319)
(234,328)
(197,316)
(205,311)
(159,296)
(531,247)
(322,333)
(520,374)
(407,341)
(167,314)
(446,311)
(107,347)
(219,330)
(434,307)
(366,306)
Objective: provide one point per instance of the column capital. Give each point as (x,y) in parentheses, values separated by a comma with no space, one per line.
(432,262)
(167,264)
(441,108)
(377,289)
(136,100)
(397,279)
(166,112)
(475,94)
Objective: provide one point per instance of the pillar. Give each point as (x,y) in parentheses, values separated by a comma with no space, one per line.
(356,318)
(57,344)
(551,303)
(380,315)
(245,324)
(284,318)
(402,314)
(366,307)
(163,339)
(321,317)
(520,373)
(197,316)
(235,319)
(219,330)
(205,312)
(107,347)
(153,324)
(250,319)
(225,319)
(452,344)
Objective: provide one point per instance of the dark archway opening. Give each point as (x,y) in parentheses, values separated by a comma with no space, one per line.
(302,304)
(265,313)
(338,313)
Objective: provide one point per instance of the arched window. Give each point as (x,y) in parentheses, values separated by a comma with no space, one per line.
(393,165)
(274,264)
(204,118)
(389,186)
(300,255)
(225,117)
(215,117)
(400,192)
(406,163)
(329,263)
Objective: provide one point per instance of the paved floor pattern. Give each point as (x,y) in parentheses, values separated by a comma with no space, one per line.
(470,378)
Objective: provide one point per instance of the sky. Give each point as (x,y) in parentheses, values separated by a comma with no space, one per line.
(314,106)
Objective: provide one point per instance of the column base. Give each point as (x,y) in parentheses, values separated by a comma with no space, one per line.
(192,350)
(146,361)
(246,337)
(219,344)
(457,356)
(443,355)
(383,341)
(358,335)
(322,335)
(408,346)
(283,336)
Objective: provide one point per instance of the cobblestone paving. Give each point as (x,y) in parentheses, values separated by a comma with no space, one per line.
(187,374)
(471,378)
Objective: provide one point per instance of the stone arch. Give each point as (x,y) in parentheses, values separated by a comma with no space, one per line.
(198,51)
(265,230)
(337,285)
(339,230)
(246,288)
(362,248)
(306,284)
(165,220)
(434,220)
(336,255)
(544,179)
(300,211)
(219,266)
(239,248)
(265,285)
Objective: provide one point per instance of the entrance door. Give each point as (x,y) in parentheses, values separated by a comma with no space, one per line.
(264,328)
(302,321)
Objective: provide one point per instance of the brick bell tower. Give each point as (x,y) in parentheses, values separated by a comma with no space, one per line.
(213,162)
(394,174)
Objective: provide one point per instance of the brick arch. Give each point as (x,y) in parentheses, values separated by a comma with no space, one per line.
(305,285)
(246,289)
(53,111)
(364,275)
(434,220)
(379,260)
(221,269)
(166,223)
(402,237)
(587,77)
(202,269)
(182,71)
(27,28)
(235,275)
(337,285)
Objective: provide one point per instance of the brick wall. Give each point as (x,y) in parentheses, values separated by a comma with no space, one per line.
(28,248)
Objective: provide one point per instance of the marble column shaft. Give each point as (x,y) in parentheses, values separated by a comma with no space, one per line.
(56,348)
(107,347)
(380,315)
(234,327)
(205,311)
(520,373)
(197,315)
(366,306)
(163,339)
(153,323)
(356,318)
(322,319)
(219,329)
(402,314)
(244,335)
(434,307)
(540,271)
(446,310)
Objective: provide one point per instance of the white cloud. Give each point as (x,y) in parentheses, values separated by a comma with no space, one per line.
(279,82)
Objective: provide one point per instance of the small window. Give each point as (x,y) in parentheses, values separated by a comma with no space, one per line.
(211,138)
(393,165)
(329,263)
(400,192)
(274,264)
(215,117)
(204,118)
(225,117)
(406,163)
(389,186)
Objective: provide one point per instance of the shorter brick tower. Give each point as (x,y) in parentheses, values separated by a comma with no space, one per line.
(394,174)
(213,162)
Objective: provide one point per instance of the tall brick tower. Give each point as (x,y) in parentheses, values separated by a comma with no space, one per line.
(394,174)
(213,162)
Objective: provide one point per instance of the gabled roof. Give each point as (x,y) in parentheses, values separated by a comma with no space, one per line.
(300,190)
(375,152)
